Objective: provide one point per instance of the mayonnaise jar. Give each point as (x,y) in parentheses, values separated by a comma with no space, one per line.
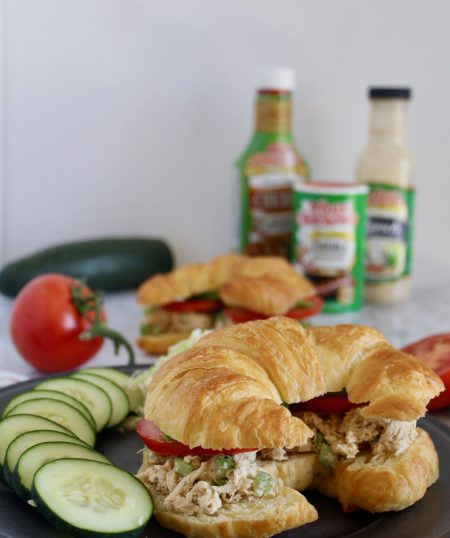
(385,165)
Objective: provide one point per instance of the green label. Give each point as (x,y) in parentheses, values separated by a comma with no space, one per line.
(390,213)
(328,243)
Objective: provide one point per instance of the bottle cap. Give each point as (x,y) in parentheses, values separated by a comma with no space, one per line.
(279,78)
(389,93)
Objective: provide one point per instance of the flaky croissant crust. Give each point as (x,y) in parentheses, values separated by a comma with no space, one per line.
(226,391)
(265,284)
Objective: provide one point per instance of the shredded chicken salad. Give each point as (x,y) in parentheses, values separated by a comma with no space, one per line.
(349,434)
(202,485)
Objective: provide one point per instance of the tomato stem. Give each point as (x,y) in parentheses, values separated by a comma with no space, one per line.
(89,304)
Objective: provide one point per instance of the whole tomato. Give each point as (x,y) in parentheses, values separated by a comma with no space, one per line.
(46,325)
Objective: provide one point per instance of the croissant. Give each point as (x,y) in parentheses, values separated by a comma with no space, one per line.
(225,393)
(188,280)
(267,285)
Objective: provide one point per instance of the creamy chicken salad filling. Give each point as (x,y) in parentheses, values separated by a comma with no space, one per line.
(204,484)
(160,321)
(346,435)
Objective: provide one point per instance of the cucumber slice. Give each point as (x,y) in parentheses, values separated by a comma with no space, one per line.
(52,395)
(27,440)
(119,400)
(125,382)
(33,458)
(94,398)
(61,413)
(13,426)
(89,499)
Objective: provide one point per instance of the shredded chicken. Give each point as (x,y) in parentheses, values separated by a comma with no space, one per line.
(347,435)
(396,438)
(282,454)
(198,492)
(277,454)
(167,321)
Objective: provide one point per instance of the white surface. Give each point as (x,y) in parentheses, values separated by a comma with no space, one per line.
(124,116)
(428,312)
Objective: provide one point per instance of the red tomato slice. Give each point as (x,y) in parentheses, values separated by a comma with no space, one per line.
(241,315)
(195,305)
(434,351)
(303,312)
(155,440)
(327,404)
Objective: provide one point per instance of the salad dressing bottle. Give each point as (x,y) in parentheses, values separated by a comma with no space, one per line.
(385,165)
(268,170)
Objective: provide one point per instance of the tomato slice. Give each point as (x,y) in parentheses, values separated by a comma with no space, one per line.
(195,305)
(242,315)
(302,312)
(434,351)
(155,440)
(327,404)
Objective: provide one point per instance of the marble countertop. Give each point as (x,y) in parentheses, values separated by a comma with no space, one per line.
(426,313)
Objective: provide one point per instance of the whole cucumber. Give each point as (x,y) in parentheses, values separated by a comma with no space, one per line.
(110,264)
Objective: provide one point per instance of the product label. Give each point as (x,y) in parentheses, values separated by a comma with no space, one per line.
(328,245)
(273,115)
(267,197)
(388,233)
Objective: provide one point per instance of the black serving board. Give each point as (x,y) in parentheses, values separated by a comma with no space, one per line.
(428,518)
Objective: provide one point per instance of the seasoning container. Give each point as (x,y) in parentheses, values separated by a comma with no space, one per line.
(386,165)
(328,240)
(268,169)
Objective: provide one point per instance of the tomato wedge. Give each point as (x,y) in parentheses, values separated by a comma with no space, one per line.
(242,315)
(195,305)
(155,440)
(434,351)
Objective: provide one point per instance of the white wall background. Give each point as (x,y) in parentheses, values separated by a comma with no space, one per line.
(124,116)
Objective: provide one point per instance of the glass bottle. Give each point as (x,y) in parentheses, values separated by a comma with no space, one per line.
(385,165)
(268,169)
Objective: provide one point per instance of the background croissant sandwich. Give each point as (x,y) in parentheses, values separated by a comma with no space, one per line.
(230,390)
(229,289)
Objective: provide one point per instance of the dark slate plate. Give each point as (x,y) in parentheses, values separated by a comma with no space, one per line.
(428,518)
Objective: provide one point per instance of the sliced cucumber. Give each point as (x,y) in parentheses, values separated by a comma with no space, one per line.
(126,382)
(58,412)
(89,499)
(119,400)
(27,440)
(13,426)
(94,398)
(33,458)
(52,395)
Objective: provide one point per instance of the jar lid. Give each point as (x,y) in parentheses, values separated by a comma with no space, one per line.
(389,93)
(332,187)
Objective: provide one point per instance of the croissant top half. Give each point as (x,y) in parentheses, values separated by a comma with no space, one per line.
(226,391)
(266,284)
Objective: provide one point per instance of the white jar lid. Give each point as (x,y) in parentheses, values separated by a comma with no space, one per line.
(331,187)
(279,78)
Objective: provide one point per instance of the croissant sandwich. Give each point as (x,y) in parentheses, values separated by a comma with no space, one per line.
(232,454)
(229,289)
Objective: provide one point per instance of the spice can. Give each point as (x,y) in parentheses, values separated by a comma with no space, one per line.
(328,240)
